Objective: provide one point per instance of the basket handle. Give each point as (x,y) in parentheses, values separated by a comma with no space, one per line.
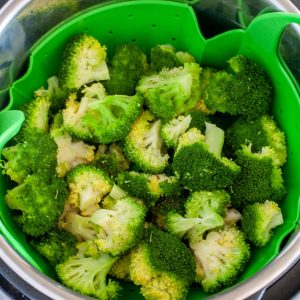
(10,124)
(273,25)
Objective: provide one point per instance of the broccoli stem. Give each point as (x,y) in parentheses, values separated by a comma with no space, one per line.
(214,138)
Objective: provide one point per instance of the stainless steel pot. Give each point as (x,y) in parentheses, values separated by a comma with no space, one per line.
(22,22)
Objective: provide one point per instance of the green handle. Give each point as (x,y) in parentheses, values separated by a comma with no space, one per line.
(10,124)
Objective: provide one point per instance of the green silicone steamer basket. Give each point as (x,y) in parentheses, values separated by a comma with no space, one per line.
(149,23)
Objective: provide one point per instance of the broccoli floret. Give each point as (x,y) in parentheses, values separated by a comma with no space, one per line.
(121,226)
(55,94)
(149,187)
(185,57)
(203,211)
(75,110)
(87,185)
(220,258)
(38,203)
(199,168)
(70,152)
(56,245)
(110,119)
(171,131)
(88,274)
(260,178)
(83,62)
(144,145)
(111,159)
(36,153)
(259,219)
(126,68)
(259,133)
(120,268)
(172,91)
(198,120)
(243,90)
(162,265)
(232,216)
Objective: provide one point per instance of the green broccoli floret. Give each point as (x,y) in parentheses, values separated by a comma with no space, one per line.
(111,159)
(244,90)
(260,178)
(199,168)
(220,258)
(144,145)
(88,185)
(259,219)
(38,203)
(121,227)
(75,110)
(36,153)
(88,274)
(83,62)
(70,152)
(198,120)
(56,95)
(126,68)
(259,133)
(56,245)
(171,131)
(110,119)
(149,187)
(203,211)
(120,268)
(171,92)
(162,265)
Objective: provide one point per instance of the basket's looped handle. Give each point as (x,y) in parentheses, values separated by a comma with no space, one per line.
(10,124)
(267,29)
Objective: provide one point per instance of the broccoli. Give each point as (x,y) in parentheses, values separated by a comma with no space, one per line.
(88,274)
(120,227)
(149,187)
(38,203)
(244,90)
(70,152)
(214,138)
(144,145)
(110,119)
(111,159)
(83,62)
(126,68)
(36,153)
(198,120)
(198,168)
(55,94)
(120,268)
(232,216)
(171,92)
(259,219)
(88,185)
(203,210)
(260,178)
(171,131)
(56,245)
(162,265)
(260,133)
(75,110)
(220,258)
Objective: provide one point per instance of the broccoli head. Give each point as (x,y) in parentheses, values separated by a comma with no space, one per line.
(126,68)
(88,274)
(260,178)
(83,62)
(244,90)
(36,153)
(88,185)
(260,133)
(171,92)
(56,245)
(220,258)
(199,168)
(198,120)
(259,219)
(120,268)
(144,145)
(38,203)
(110,119)
(162,265)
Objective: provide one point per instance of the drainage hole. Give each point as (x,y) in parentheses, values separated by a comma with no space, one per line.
(130,16)
(133,40)
(110,32)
